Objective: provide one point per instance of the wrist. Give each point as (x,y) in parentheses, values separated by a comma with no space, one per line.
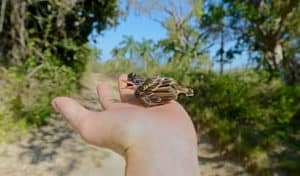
(175,159)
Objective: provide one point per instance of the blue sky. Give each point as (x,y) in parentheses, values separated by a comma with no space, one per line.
(142,27)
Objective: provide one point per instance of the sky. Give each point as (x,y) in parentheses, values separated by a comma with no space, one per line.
(142,27)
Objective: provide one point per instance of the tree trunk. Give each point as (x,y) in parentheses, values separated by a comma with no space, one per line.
(145,64)
(2,15)
(222,54)
(274,57)
(278,55)
(291,70)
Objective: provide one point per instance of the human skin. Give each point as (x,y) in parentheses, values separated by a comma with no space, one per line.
(155,141)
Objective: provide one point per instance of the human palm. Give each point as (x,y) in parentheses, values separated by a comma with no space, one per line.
(131,129)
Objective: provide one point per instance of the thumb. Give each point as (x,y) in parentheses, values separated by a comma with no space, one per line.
(72,111)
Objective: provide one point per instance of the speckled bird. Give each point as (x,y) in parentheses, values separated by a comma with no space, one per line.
(157,90)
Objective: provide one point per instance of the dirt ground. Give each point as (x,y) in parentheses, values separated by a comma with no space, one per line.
(55,150)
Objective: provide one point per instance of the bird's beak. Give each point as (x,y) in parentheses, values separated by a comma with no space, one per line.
(129,84)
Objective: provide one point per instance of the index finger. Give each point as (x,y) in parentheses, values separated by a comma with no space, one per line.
(126,94)
(106,96)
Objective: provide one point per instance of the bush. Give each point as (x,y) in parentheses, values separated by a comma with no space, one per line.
(47,56)
(25,99)
(49,82)
(8,123)
(247,113)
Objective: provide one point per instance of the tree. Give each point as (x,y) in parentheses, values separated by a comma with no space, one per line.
(128,45)
(264,27)
(44,50)
(118,52)
(177,17)
(28,28)
(145,50)
(216,29)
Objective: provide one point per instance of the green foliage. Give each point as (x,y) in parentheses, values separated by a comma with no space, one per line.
(50,81)
(43,54)
(183,44)
(52,23)
(28,97)
(291,166)
(144,54)
(267,30)
(248,114)
(8,124)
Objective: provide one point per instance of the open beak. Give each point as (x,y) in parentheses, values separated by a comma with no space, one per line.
(130,85)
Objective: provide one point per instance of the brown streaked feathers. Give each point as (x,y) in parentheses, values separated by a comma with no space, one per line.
(157,90)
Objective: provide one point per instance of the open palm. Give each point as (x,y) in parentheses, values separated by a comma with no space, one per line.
(129,128)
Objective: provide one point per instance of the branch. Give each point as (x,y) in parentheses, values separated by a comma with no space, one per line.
(22,30)
(3,7)
(36,69)
(168,11)
(173,6)
(286,13)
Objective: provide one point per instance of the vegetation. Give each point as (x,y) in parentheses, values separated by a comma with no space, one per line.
(267,30)
(250,117)
(43,53)
(252,113)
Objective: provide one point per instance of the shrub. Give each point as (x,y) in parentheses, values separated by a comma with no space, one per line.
(48,82)
(25,99)
(247,112)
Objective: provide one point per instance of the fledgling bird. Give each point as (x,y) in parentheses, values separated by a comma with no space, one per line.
(135,79)
(157,90)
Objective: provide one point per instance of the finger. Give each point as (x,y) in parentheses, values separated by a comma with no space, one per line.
(74,113)
(106,96)
(126,94)
(93,127)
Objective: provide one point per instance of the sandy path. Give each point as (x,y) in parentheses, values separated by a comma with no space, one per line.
(56,150)
(213,163)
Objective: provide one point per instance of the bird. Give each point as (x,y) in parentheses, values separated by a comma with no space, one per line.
(156,90)
(134,79)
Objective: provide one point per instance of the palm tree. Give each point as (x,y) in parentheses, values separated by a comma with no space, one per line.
(118,55)
(118,52)
(146,49)
(128,45)
(214,25)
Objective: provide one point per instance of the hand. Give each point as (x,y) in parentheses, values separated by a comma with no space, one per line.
(157,141)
